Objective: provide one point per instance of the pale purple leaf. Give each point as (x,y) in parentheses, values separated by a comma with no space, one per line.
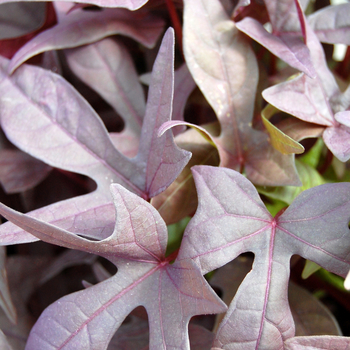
(343,118)
(126,142)
(159,175)
(19,171)
(83,27)
(331,24)
(288,34)
(289,48)
(311,317)
(60,127)
(284,16)
(337,139)
(180,199)
(232,219)
(129,4)
(137,247)
(107,67)
(302,97)
(183,86)
(317,101)
(74,138)
(318,343)
(225,69)
(91,215)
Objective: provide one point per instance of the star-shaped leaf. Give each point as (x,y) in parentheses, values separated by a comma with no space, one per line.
(231,219)
(61,129)
(171,293)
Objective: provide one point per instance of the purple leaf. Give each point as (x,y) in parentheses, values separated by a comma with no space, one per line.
(158,110)
(231,219)
(331,24)
(137,247)
(107,67)
(286,41)
(19,171)
(180,199)
(84,27)
(129,4)
(317,343)
(225,69)
(317,101)
(183,87)
(61,129)
(311,317)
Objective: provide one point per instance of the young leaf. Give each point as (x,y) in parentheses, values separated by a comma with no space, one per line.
(180,199)
(231,219)
(287,40)
(317,101)
(89,318)
(61,129)
(225,69)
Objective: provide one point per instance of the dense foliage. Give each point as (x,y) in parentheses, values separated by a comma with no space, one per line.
(184,166)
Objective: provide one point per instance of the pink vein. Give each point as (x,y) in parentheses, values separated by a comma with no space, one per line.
(107,304)
(88,150)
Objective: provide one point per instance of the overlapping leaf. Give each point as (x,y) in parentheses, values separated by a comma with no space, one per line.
(288,33)
(317,101)
(61,129)
(232,219)
(129,4)
(19,171)
(83,27)
(107,67)
(332,24)
(225,69)
(89,318)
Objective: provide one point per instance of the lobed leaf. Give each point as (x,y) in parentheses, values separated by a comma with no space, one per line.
(90,317)
(225,69)
(63,130)
(317,101)
(231,219)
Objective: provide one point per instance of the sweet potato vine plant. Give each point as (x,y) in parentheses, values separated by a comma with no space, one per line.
(182,220)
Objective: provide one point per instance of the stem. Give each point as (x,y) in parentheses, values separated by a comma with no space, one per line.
(175,22)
